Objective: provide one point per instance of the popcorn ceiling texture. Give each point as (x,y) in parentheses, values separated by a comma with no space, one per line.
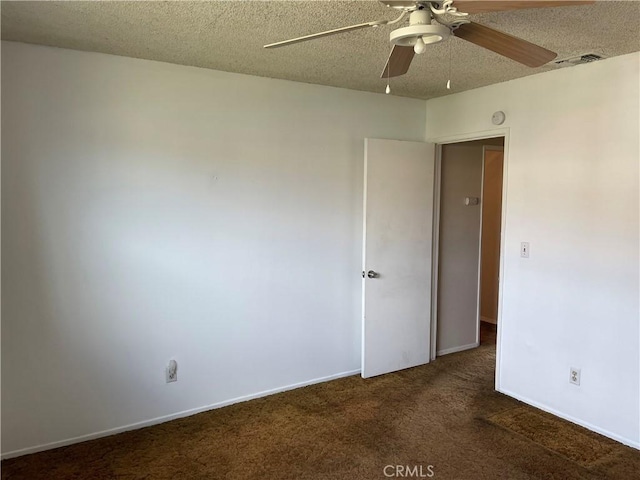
(229,35)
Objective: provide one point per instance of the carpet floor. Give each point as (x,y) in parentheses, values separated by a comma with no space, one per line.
(439,420)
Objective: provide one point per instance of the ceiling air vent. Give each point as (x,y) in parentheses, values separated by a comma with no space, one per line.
(578,60)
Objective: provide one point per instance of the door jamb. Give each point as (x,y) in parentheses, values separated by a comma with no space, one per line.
(495,148)
(435,252)
(467,137)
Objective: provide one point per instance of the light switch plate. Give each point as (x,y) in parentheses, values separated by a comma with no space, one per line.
(524,249)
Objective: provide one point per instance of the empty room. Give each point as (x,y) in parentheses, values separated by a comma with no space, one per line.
(320,239)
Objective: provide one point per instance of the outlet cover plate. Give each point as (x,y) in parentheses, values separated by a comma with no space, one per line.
(574,376)
(171,372)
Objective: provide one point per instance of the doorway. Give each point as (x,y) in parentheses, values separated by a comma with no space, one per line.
(468,231)
(408,281)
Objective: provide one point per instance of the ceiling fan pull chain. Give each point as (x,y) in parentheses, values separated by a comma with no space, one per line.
(388,89)
(449,80)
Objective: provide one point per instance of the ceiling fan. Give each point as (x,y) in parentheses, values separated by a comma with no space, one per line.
(432,21)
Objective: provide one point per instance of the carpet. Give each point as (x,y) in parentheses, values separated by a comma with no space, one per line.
(425,420)
(567,439)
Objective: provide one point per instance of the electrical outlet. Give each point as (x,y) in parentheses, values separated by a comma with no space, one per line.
(574,376)
(171,372)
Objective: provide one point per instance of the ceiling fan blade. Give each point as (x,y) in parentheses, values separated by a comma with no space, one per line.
(398,61)
(325,34)
(485,6)
(504,44)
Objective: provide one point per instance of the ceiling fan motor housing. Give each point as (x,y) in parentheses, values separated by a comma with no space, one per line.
(419,26)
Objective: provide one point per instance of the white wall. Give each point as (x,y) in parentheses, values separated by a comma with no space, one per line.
(459,259)
(573,193)
(153,211)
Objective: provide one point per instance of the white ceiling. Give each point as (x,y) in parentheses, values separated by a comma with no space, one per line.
(228,35)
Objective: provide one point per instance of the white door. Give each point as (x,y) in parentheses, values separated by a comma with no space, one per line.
(398,237)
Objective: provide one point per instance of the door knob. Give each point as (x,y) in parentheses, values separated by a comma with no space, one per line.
(372,274)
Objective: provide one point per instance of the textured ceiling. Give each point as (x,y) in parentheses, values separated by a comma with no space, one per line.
(228,35)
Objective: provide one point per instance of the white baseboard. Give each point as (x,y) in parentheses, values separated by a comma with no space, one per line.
(173,416)
(446,351)
(488,320)
(587,425)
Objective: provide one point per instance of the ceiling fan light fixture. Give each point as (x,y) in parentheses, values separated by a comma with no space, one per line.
(419,35)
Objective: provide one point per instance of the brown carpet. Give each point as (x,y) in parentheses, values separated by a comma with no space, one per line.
(439,415)
(572,441)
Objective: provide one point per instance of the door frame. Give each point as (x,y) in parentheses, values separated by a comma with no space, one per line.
(467,137)
(486,148)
